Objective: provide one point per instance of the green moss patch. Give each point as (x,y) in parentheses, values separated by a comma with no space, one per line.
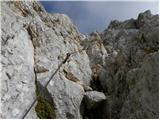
(44,108)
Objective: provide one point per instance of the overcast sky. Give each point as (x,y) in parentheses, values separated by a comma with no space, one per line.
(91,16)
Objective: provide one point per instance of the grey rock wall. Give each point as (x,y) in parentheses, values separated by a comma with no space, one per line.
(33,39)
(132,48)
(44,58)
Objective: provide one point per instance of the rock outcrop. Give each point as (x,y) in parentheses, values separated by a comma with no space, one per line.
(93,98)
(34,46)
(142,101)
(17,60)
(97,55)
(50,70)
(93,105)
(132,48)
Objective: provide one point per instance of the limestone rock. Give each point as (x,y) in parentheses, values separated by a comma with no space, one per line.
(112,74)
(127,49)
(142,101)
(34,45)
(105,79)
(143,18)
(95,49)
(93,98)
(97,53)
(17,61)
(127,24)
(51,51)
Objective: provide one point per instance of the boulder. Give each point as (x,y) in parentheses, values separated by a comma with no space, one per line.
(93,99)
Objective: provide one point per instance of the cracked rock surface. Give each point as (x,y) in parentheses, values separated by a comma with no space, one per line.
(44,58)
(33,39)
(127,80)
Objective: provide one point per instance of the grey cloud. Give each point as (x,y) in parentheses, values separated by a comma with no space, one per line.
(91,16)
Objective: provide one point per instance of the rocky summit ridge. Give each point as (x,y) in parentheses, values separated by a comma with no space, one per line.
(50,70)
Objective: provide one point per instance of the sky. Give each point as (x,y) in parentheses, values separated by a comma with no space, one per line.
(90,16)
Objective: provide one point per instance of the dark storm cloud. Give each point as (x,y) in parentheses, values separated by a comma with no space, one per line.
(91,16)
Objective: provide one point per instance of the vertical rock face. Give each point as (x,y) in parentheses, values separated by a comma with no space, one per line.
(97,55)
(47,61)
(127,79)
(95,49)
(33,39)
(17,60)
(142,101)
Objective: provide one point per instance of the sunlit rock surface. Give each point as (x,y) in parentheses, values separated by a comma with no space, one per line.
(44,58)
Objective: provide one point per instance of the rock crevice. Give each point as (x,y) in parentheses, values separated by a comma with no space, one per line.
(50,70)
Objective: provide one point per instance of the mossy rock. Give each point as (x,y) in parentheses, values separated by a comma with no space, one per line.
(44,109)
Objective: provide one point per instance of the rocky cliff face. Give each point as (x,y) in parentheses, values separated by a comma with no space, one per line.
(50,71)
(132,87)
(34,46)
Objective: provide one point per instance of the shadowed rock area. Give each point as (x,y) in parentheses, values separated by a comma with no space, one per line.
(50,70)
